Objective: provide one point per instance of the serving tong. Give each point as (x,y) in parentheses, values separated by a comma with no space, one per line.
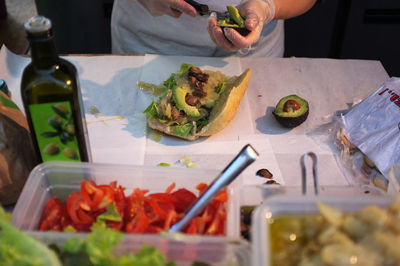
(204,10)
(244,158)
(314,172)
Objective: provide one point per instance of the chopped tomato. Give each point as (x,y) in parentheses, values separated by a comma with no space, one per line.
(140,212)
(139,224)
(183,199)
(75,212)
(53,216)
(201,187)
(91,195)
(170,188)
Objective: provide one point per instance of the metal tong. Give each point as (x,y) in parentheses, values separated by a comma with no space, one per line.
(314,171)
(245,157)
(205,10)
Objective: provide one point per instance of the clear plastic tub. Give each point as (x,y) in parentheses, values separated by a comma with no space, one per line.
(286,204)
(60,179)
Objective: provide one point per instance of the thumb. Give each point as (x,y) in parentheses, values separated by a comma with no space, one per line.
(252,20)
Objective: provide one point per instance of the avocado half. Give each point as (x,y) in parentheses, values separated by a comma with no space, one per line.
(291,111)
(234,21)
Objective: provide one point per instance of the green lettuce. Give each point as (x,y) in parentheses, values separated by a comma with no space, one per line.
(182,130)
(19,249)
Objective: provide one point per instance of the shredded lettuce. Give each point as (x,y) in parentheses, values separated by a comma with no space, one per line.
(184,68)
(182,130)
(111,214)
(220,88)
(151,110)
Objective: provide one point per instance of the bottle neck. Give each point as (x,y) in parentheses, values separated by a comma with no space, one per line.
(43,53)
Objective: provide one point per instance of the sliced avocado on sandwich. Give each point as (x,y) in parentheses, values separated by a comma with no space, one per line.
(291,111)
(195,102)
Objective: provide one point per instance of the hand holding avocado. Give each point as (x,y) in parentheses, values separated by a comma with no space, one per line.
(249,17)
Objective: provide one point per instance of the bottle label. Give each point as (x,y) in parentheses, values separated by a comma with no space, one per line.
(55,131)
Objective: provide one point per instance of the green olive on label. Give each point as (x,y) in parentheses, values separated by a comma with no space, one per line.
(61,108)
(70,153)
(55,121)
(51,149)
(70,129)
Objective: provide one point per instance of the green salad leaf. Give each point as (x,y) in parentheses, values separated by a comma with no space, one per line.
(19,249)
(151,110)
(182,130)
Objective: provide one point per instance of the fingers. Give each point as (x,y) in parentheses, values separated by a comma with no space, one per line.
(173,8)
(181,7)
(229,39)
(217,35)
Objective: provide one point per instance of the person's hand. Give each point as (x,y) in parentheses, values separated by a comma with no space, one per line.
(256,14)
(173,8)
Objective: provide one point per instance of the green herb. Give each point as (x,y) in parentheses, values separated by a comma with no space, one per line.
(164,164)
(220,88)
(151,110)
(182,130)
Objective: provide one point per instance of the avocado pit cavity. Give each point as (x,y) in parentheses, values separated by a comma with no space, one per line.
(291,111)
(291,106)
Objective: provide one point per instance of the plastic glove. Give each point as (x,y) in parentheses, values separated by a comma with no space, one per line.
(256,14)
(173,8)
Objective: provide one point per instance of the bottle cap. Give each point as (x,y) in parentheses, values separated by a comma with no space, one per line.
(37,26)
(3,86)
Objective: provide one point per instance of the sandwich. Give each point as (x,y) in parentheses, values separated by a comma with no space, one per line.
(193,103)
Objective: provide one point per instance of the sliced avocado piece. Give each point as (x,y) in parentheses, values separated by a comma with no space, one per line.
(291,111)
(179,96)
(234,14)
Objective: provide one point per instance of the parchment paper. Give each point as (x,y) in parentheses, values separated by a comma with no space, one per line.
(117,132)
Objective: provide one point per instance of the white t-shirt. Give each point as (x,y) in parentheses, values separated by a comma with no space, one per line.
(135,31)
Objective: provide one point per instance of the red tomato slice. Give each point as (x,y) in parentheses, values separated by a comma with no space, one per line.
(183,199)
(201,187)
(139,224)
(222,196)
(91,195)
(53,215)
(170,188)
(108,196)
(77,215)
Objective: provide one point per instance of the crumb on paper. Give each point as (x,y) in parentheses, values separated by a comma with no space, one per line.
(187,161)
(164,164)
(94,111)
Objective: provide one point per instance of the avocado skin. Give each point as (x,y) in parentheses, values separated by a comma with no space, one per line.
(291,121)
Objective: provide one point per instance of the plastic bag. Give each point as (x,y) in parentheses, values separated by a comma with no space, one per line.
(369,134)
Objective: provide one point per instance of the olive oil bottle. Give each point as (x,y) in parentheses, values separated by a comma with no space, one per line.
(51,96)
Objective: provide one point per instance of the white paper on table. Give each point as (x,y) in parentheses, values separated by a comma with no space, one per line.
(118,135)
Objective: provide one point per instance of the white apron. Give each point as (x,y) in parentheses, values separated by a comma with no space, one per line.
(135,31)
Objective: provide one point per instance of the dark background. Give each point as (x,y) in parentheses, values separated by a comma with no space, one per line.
(344,29)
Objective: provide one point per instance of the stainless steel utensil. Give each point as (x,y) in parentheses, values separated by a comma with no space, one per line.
(245,157)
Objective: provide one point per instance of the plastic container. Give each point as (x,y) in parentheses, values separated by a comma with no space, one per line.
(61,178)
(183,250)
(286,205)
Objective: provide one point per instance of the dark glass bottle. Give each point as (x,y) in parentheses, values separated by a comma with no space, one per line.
(52,101)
